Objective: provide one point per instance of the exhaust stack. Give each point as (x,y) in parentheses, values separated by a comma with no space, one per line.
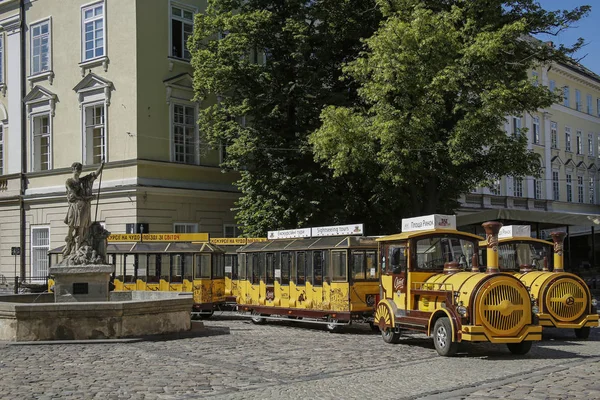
(558,238)
(491,234)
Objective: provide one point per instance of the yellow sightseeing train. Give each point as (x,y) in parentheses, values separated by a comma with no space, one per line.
(430,282)
(320,275)
(563,299)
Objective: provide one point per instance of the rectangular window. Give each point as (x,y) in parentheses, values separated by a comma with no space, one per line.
(300,268)
(589,103)
(569,189)
(338,261)
(555,186)
(567,138)
(41,143)
(286,260)
(242,266)
(597,106)
(538,188)
(536,130)
(231,231)
(270,269)
(518,187)
(95,134)
(182,26)
(578,106)
(40,47)
(516,126)
(184,134)
(590,144)
(495,187)
(185,228)
(554,134)
(358,265)
(92,26)
(1,150)
(580,189)
(534,76)
(40,244)
(566,99)
(202,266)
(552,85)
(2,62)
(579,143)
(592,189)
(318,260)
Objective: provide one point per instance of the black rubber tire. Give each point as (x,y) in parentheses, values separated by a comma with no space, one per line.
(442,338)
(257,319)
(520,348)
(582,333)
(389,336)
(374,328)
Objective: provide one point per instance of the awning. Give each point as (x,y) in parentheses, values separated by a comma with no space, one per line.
(550,218)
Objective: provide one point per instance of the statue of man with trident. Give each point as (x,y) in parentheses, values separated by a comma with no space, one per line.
(81,240)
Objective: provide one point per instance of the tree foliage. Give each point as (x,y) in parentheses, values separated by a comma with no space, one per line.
(437,81)
(264,70)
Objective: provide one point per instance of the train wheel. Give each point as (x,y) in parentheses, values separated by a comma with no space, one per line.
(331,326)
(519,348)
(257,318)
(583,333)
(389,335)
(374,328)
(442,338)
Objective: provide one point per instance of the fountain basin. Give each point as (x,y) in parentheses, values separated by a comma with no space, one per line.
(127,314)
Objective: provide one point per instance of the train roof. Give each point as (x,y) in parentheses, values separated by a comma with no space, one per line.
(155,247)
(317,243)
(412,234)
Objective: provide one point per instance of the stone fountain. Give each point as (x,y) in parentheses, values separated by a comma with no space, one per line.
(82,307)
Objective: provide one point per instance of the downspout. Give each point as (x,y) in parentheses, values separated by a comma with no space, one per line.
(23,230)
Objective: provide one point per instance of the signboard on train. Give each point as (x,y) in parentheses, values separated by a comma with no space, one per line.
(158,237)
(235,241)
(339,230)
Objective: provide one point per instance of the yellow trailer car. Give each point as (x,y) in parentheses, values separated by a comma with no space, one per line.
(331,280)
(431,283)
(563,299)
(167,262)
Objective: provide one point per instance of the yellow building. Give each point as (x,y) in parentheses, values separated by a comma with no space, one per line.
(105,79)
(567,138)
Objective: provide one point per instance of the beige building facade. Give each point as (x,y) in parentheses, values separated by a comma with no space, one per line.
(86,81)
(567,138)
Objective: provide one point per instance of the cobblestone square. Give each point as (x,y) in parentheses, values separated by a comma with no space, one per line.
(235,359)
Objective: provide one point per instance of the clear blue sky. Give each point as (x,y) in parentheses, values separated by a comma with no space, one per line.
(587,28)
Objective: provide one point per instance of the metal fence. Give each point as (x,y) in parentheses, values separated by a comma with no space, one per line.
(27,284)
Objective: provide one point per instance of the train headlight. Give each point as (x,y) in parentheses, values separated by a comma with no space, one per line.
(461,309)
(594,302)
(535,309)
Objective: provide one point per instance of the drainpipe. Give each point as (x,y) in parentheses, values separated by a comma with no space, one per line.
(558,238)
(23,230)
(491,234)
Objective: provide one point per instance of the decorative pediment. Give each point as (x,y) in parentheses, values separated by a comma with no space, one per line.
(94,85)
(592,167)
(180,86)
(570,163)
(557,160)
(581,165)
(39,95)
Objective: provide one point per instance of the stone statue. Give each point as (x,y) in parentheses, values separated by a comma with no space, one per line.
(85,242)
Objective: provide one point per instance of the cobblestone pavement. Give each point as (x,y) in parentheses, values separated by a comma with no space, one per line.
(234,359)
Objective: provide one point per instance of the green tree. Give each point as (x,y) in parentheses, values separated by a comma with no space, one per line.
(436,83)
(264,70)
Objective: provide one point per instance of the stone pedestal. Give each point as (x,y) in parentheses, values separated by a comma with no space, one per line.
(81,283)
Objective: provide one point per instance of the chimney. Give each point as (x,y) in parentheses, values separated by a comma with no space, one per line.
(491,234)
(558,238)
(475,263)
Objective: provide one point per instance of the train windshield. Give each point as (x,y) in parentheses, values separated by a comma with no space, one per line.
(433,252)
(511,256)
